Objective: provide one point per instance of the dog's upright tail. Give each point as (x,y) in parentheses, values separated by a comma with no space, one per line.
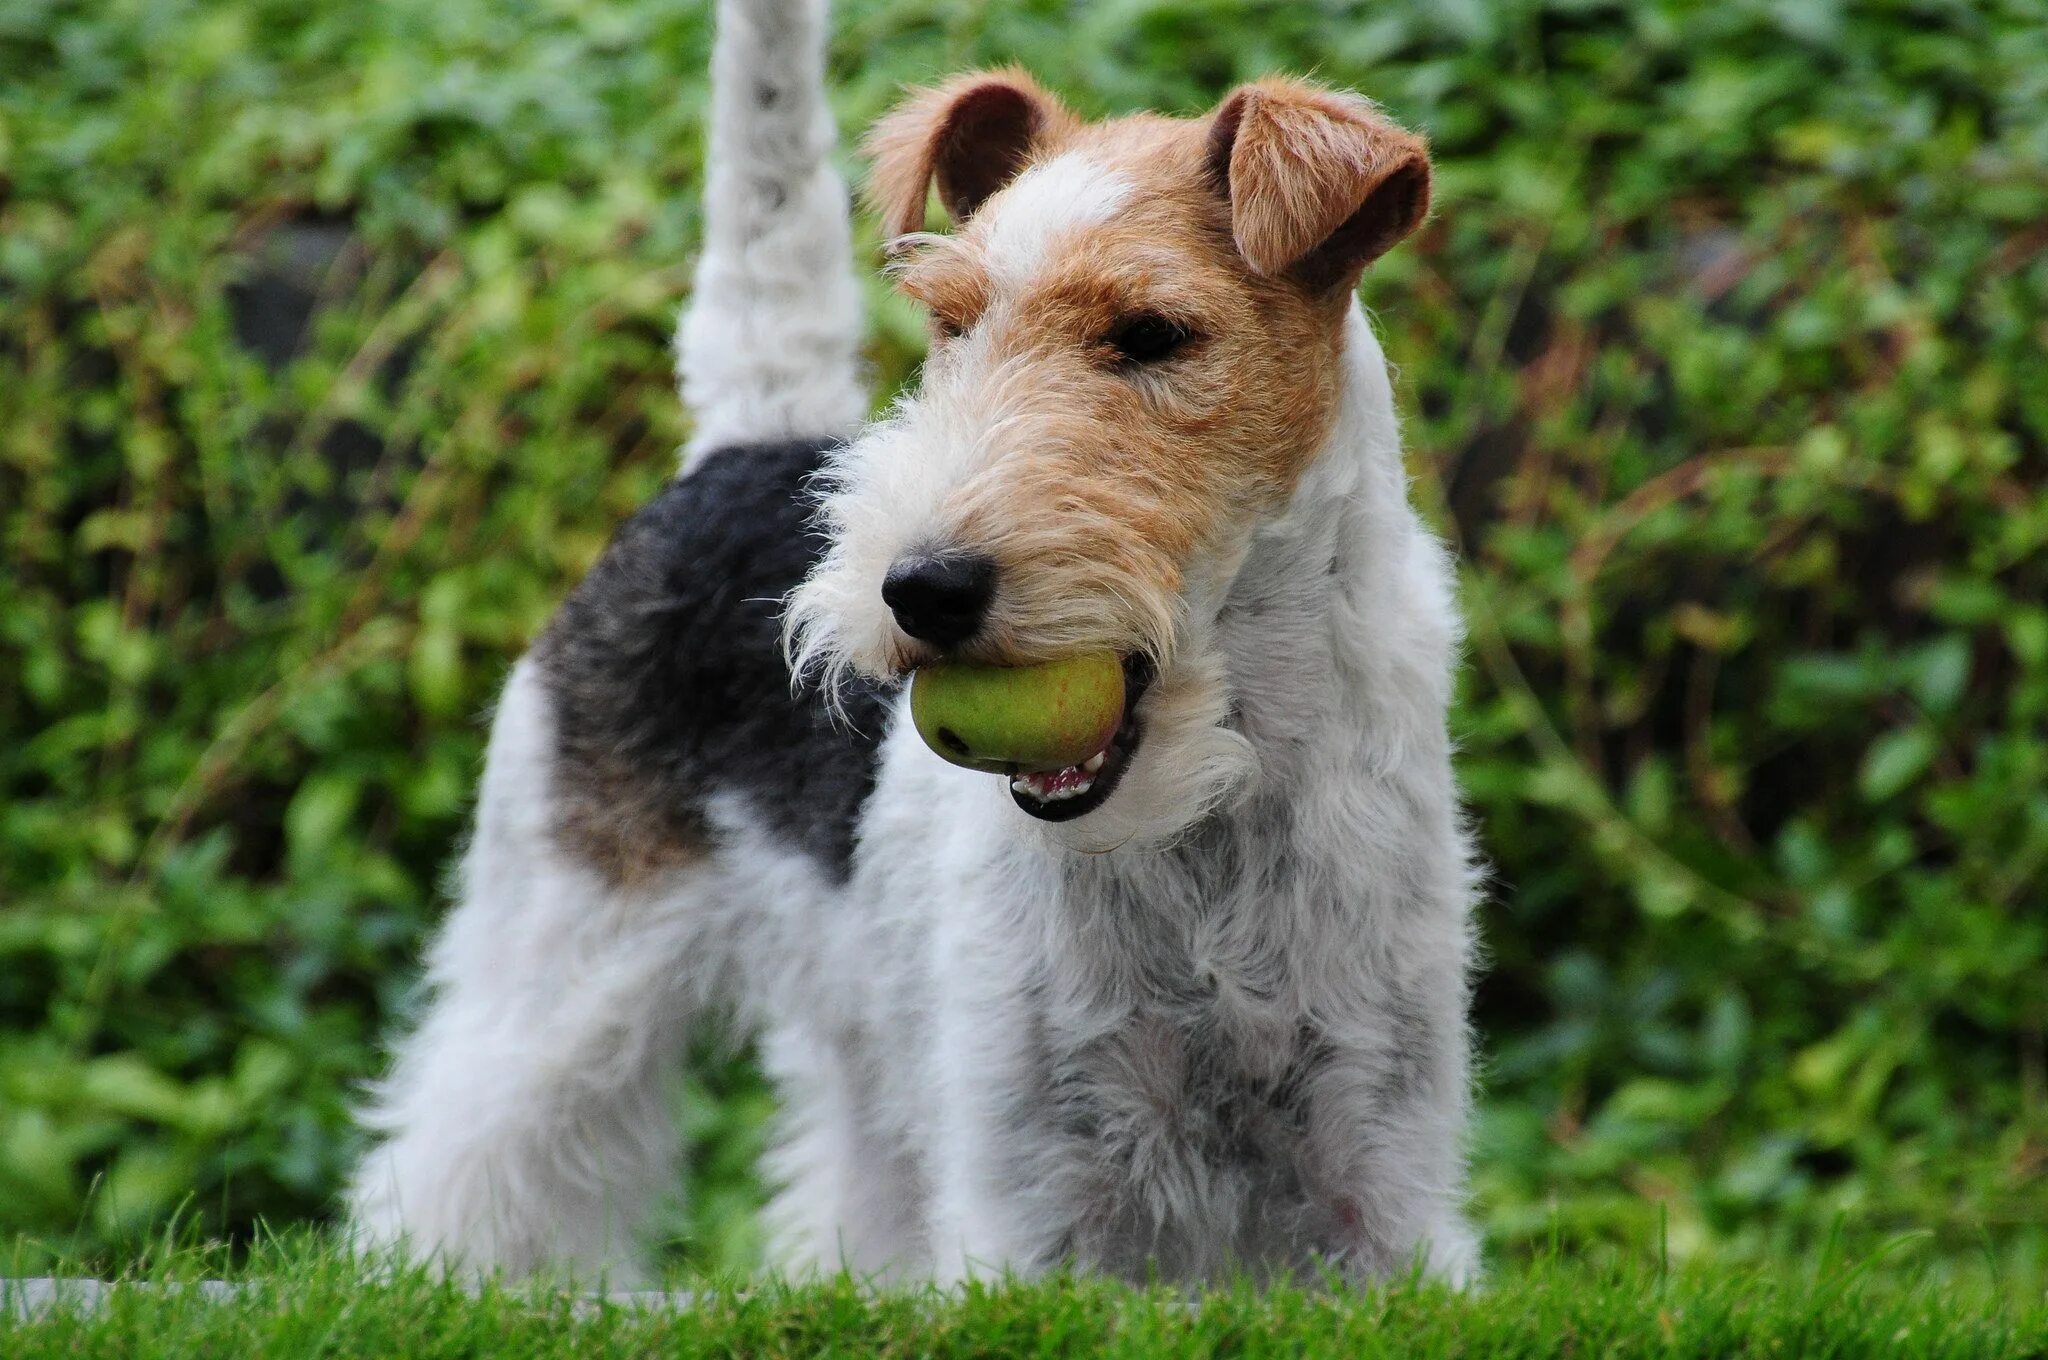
(769,344)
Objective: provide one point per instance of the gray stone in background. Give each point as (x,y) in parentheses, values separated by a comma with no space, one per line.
(32,1298)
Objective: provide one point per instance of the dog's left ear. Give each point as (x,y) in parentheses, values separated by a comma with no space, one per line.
(1321,184)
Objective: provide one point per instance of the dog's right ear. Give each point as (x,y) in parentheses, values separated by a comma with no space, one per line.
(969,136)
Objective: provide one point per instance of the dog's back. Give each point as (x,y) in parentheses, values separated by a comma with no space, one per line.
(664,670)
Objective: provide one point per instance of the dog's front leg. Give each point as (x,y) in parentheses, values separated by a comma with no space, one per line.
(991,1150)
(1385,1136)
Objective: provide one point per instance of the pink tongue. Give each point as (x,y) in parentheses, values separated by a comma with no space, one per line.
(1057,780)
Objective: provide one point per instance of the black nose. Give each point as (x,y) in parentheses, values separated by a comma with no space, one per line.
(940,599)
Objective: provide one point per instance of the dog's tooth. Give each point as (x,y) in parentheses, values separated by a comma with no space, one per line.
(1094,762)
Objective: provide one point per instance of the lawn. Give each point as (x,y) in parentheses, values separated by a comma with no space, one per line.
(333,345)
(297,1301)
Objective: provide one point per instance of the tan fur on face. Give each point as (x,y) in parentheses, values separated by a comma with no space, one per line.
(1115,497)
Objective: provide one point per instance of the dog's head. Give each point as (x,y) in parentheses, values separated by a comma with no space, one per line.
(1136,352)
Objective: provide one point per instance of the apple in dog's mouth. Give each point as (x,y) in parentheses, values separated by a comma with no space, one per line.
(1062,732)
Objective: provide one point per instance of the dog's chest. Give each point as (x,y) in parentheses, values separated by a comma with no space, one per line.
(1189,1123)
(1180,1086)
(1187,1035)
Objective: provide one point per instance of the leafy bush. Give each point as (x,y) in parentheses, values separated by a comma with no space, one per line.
(332,347)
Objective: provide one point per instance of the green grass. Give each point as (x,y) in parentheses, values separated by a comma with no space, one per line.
(301,1300)
(1719,361)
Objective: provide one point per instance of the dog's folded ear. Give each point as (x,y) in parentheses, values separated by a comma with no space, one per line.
(1320,183)
(969,136)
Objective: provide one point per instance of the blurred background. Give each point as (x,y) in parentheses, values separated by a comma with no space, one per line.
(333,345)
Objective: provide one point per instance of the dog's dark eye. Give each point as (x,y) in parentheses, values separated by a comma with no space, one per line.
(948,329)
(1147,338)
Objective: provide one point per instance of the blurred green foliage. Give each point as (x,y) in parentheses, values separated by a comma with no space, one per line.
(332,347)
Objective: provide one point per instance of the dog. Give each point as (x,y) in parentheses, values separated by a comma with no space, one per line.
(1195,1009)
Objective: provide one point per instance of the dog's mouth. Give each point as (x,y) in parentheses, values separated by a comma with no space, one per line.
(1076,790)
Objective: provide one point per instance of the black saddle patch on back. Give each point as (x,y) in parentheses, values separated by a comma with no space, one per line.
(668,682)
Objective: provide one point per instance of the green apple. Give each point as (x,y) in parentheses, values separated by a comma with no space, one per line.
(1016,719)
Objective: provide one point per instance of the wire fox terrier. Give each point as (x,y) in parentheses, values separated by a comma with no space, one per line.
(1194,1007)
